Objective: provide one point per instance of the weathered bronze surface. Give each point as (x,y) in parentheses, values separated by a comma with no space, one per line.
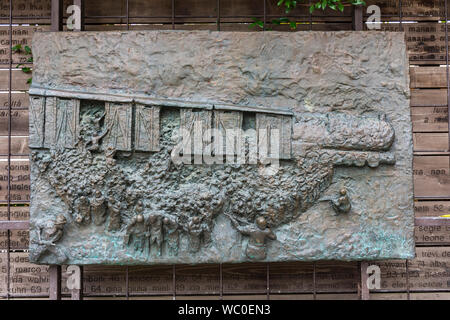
(204,147)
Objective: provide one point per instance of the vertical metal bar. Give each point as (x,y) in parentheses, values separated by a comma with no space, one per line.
(174,288)
(80,4)
(8,235)
(314,281)
(127,283)
(54,273)
(221,281)
(407,280)
(218,15)
(57,15)
(400,14)
(447,69)
(268,281)
(365,294)
(173,14)
(357,18)
(310,16)
(265,14)
(128,15)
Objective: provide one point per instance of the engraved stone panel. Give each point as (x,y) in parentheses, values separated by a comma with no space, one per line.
(325,134)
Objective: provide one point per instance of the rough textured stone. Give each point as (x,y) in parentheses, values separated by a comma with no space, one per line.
(342,188)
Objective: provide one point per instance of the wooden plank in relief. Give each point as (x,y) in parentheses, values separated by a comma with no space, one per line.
(266,126)
(230,121)
(37,112)
(118,120)
(147,128)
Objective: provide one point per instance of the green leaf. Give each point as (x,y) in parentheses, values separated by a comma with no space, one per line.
(30,59)
(257,22)
(311,8)
(293,25)
(26,69)
(29,80)
(276,21)
(27,50)
(17,48)
(341,7)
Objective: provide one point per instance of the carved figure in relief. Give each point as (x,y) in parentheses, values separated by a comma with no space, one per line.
(114,214)
(98,208)
(256,247)
(48,236)
(155,225)
(340,203)
(171,235)
(82,210)
(195,232)
(95,140)
(110,152)
(137,230)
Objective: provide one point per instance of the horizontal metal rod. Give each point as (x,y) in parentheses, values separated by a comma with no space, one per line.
(15,201)
(432,221)
(431,197)
(14,225)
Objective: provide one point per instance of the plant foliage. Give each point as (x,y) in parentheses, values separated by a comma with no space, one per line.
(289,5)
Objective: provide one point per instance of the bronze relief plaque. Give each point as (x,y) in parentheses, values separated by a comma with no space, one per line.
(165,147)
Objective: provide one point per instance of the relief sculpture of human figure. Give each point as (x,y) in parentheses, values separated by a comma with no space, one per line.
(95,140)
(83,210)
(110,152)
(114,214)
(137,231)
(98,208)
(48,236)
(195,232)
(93,144)
(171,234)
(256,247)
(340,203)
(155,224)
